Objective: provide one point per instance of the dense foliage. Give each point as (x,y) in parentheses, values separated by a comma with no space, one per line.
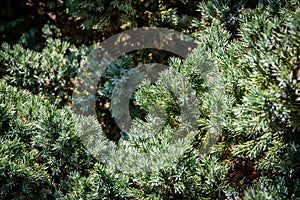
(251,98)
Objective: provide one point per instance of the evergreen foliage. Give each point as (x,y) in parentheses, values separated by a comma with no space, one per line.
(241,87)
(131,14)
(50,72)
(40,149)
